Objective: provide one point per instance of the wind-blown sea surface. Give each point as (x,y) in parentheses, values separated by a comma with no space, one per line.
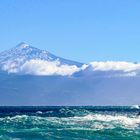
(69,123)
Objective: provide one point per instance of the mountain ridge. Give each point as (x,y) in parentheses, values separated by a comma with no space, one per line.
(25,50)
(23,57)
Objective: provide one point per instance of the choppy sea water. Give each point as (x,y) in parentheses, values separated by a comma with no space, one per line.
(69,123)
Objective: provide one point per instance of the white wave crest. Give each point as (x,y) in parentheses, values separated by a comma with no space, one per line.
(100,121)
(89,122)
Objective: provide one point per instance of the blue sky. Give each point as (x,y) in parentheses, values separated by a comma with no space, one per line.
(82,30)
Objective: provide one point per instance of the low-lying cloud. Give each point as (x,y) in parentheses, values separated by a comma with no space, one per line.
(41,67)
(118,68)
(115,66)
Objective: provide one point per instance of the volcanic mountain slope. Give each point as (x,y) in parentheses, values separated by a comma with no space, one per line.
(24,52)
(24,59)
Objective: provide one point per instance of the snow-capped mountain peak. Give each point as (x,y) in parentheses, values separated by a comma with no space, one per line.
(27,52)
(22,45)
(23,55)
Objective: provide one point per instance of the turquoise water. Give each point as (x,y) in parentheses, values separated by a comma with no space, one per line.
(69,123)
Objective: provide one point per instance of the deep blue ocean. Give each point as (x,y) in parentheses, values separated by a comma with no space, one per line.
(69,123)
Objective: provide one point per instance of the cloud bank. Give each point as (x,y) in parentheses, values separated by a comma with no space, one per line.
(118,68)
(41,67)
(115,66)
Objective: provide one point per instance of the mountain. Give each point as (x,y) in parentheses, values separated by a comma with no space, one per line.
(30,76)
(24,52)
(23,58)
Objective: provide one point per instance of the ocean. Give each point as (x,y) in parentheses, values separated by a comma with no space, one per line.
(69,123)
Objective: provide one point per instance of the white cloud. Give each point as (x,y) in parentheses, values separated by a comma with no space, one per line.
(115,66)
(41,67)
(11,67)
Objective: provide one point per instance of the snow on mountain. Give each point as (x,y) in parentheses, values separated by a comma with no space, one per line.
(26,59)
